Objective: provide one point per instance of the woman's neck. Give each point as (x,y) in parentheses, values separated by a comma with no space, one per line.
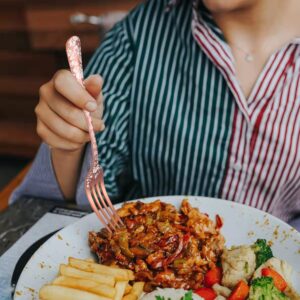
(273,22)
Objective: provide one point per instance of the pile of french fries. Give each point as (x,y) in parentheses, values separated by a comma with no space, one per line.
(87,280)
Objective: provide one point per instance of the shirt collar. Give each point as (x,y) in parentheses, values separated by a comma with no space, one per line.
(204,16)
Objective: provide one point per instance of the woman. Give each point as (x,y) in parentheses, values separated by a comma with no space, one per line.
(201,98)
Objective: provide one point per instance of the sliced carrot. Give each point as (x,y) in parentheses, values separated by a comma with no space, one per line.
(279,281)
(240,292)
(213,276)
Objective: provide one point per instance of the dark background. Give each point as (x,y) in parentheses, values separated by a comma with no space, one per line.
(32,38)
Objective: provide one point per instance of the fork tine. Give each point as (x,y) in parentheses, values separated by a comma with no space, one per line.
(95,209)
(107,208)
(102,187)
(101,208)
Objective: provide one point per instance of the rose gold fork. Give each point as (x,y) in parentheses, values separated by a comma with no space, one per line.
(94,182)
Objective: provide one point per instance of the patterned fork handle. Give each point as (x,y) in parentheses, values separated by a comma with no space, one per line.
(73,49)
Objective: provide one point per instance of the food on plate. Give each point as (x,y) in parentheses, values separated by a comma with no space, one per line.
(284,270)
(269,279)
(238,264)
(240,291)
(221,290)
(185,250)
(163,246)
(264,288)
(51,292)
(89,266)
(213,276)
(206,293)
(86,280)
(263,252)
(88,285)
(69,271)
(165,254)
(171,293)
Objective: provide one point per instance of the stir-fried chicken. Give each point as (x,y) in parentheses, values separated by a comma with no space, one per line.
(164,247)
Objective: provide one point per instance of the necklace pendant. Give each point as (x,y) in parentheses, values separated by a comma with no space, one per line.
(249,58)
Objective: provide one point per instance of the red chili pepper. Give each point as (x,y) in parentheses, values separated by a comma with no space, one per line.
(182,228)
(219,222)
(186,239)
(240,292)
(206,293)
(213,276)
(279,281)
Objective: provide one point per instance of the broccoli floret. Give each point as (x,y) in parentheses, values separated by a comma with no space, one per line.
(263,252)
(263,288)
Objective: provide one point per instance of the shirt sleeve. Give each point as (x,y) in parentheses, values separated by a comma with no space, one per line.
(113,60)
(40,181)
(296,223)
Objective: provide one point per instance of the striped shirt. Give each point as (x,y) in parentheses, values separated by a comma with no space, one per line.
(178,123)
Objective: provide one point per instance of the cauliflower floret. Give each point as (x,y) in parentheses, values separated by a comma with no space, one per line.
(238,264)
(220,298)
(221,290)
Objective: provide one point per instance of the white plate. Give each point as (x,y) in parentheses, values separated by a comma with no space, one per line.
(242,225)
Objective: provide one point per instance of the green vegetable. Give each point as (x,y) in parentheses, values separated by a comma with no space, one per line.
(161,298)
(188,296)
(263,288)
(179,262)
(124,245)
(262,251)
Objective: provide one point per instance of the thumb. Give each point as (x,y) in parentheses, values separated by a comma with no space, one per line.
(93,85)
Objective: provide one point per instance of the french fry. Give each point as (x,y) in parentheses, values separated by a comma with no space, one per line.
(89,260)
(128,289)
(130,297)
(130,275)
(53,292)
(86,285)
(137,288)
(68,271)
(118,274)
(135,292)
(120,289)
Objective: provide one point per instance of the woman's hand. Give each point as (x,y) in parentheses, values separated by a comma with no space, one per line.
(60,120)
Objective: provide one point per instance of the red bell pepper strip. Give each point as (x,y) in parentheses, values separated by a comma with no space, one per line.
(279,281)
(213,276)
(219,222)
(240,292)
(206,293)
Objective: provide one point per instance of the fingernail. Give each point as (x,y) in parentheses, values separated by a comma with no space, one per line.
(91,106)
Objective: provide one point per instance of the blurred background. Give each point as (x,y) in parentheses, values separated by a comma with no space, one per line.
(32,39)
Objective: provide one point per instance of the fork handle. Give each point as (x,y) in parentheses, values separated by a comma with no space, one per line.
(73,50)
